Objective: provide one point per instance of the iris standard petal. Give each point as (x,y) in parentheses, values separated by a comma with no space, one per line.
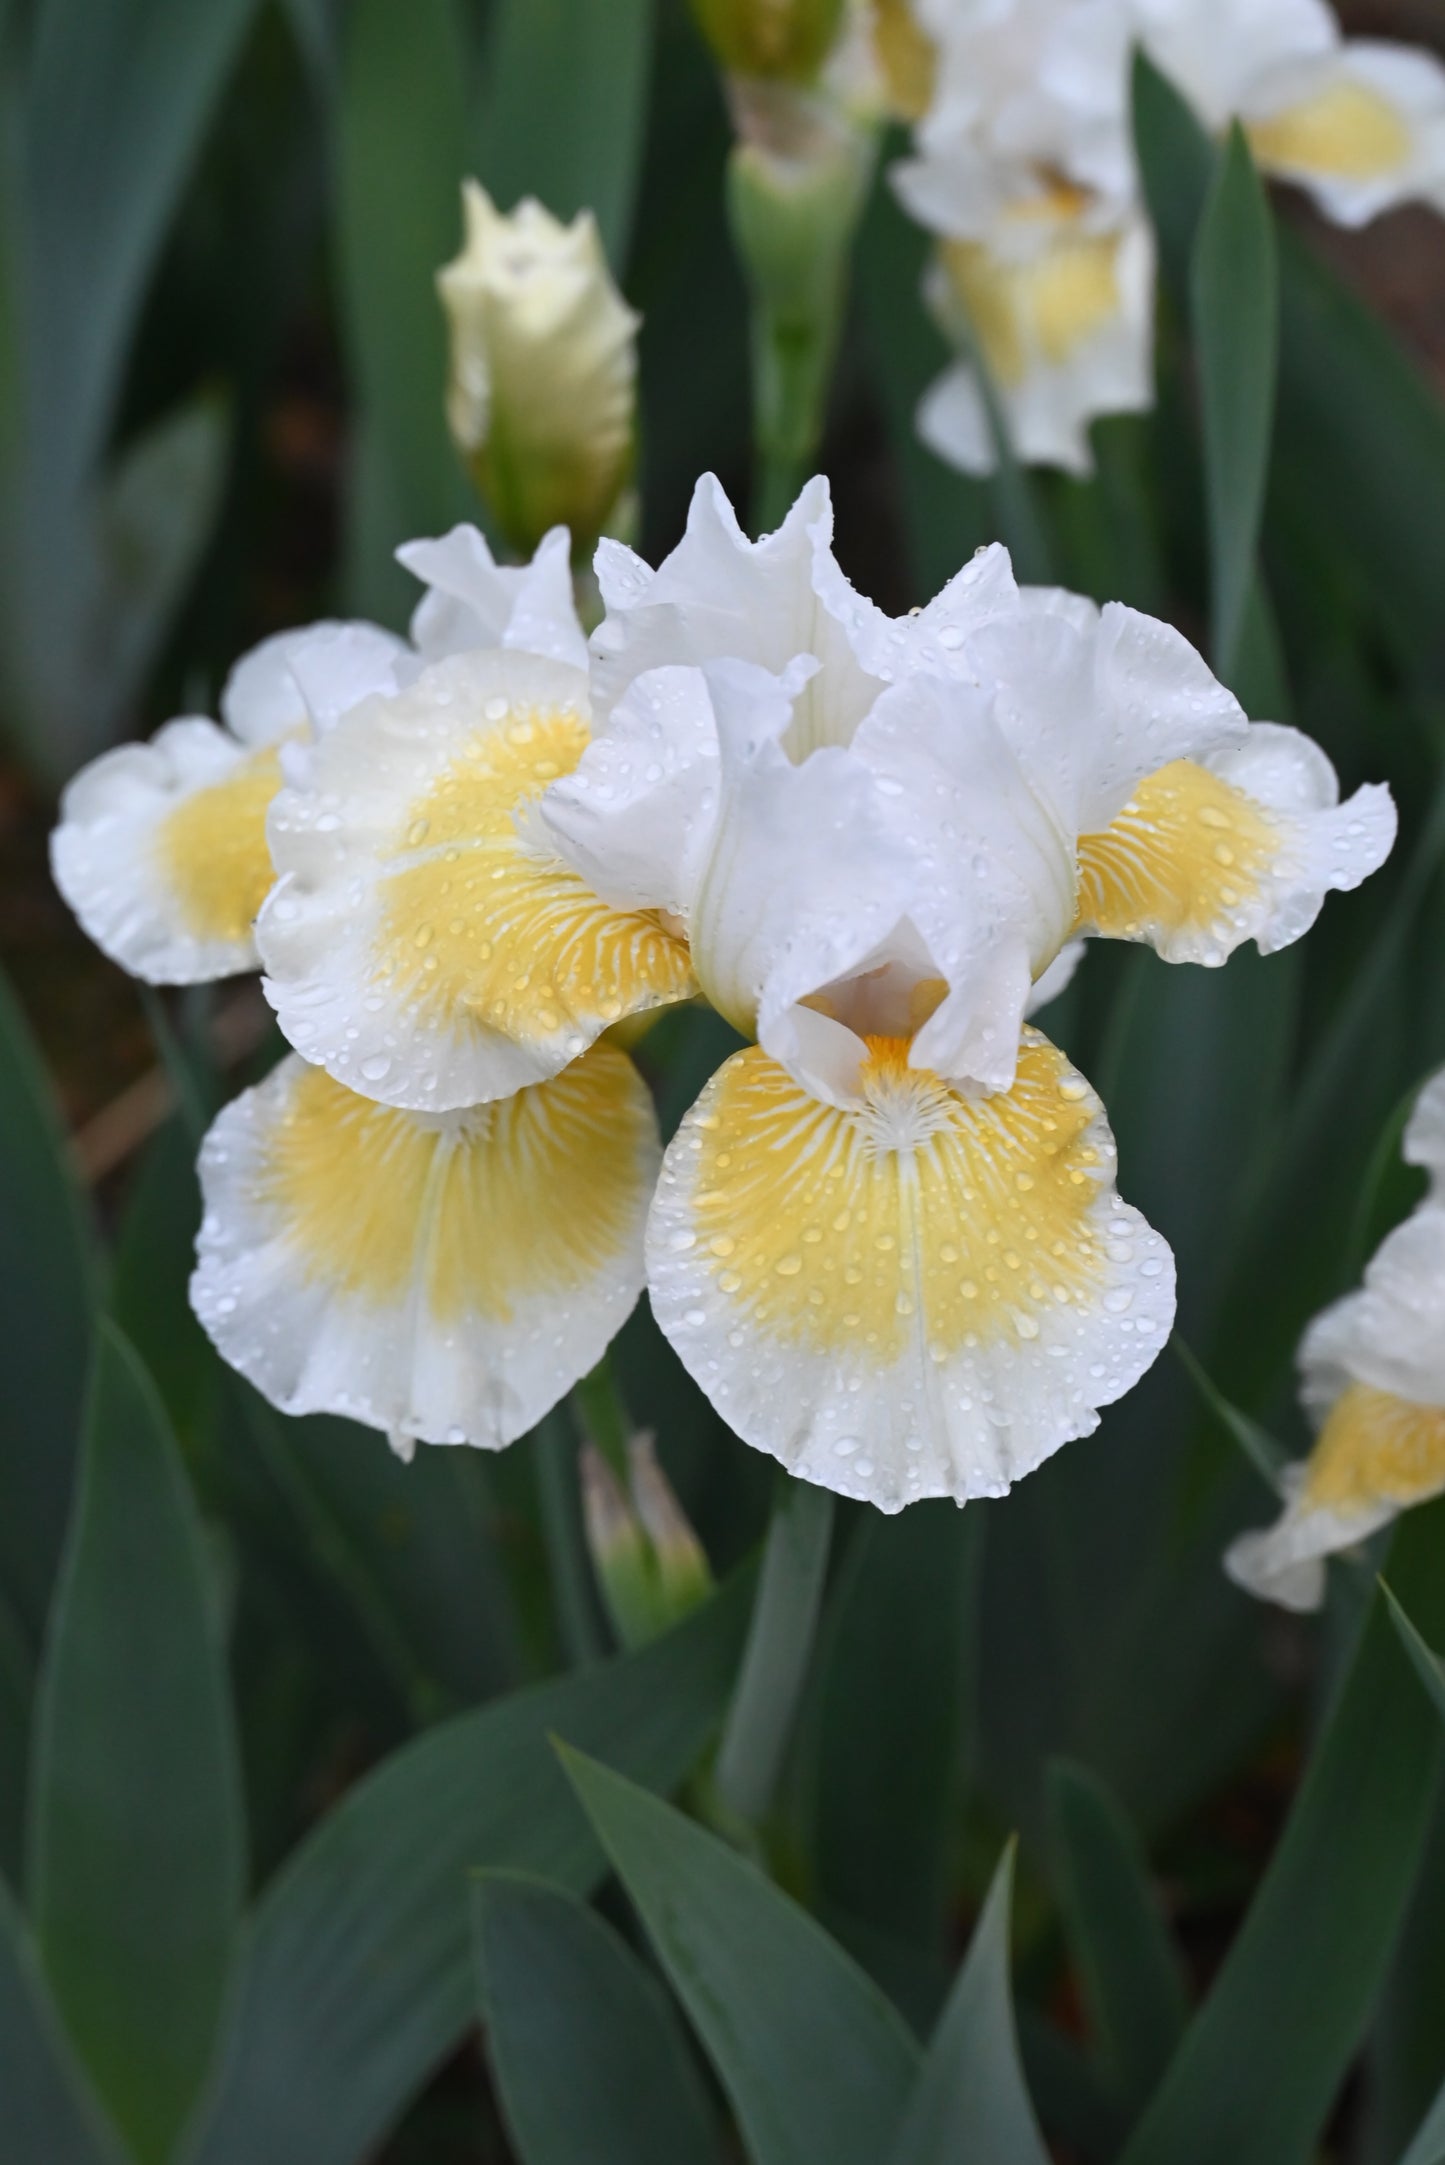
(426,944)
(1243,845)
(161,852)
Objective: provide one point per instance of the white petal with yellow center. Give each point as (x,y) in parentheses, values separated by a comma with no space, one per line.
(1377,1454)
(1372,1375)
(161,852)
(1067,334)
(426,944)
(1362,128)
(440,1277)
(922,1294)
(1052,715)
(1242,845)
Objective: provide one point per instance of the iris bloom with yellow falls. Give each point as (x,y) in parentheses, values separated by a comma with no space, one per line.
(1372,1371)
(1024,168)
(886,1240)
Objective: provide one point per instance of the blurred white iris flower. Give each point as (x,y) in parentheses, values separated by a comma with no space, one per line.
(1024,168)
(1372,1371)
(886,1240)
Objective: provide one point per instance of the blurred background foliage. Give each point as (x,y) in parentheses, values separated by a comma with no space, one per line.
(262,1688)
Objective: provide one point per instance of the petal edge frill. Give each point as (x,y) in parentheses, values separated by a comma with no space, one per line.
(440,1277)
(921,1294)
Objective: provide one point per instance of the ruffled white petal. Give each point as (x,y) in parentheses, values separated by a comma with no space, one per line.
(1363,128)
(1285,1563)
(447,1278)
(721,596)
(921,1295)
(473,601)
(1242,844)
(992,872)
(1068,335)
(425,943)
(801,880)
(1424,1142)
(161,852)
(1092,702)
(305,676)
(1056,979)
(1214,53)
(1391,1333)
(636,815)
(783,875)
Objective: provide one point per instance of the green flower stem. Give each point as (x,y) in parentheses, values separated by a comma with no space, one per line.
(797,182)
(775,1661)
(574,1589)
(604,1417)
(792,369)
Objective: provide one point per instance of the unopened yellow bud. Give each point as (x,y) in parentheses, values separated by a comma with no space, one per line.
(542,394)
(786,40)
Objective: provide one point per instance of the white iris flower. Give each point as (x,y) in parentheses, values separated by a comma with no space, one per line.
(439,1276)
(886,1241)
(161,848)
(1372,1372)
(1024,168)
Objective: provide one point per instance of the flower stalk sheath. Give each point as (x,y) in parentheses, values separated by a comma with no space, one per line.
(797,180)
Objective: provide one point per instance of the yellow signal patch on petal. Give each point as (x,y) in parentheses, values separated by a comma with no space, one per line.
(921,1293)
(480,922)
(1346,132)
(425,943)
(1181,865)
(213,854)
(439,1275)
(1375,1448)
(918,1210)
(1047,306)
(533,1193)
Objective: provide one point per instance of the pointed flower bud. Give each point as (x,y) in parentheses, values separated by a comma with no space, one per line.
(781,40)
(542,395)
(683,1576)
(650,1564)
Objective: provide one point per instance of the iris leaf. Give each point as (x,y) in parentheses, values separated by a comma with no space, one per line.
(136,1840)
(1234,294)
(50,2118)
(1304,1970)
(815,2061)
(1128,1968)
(563,109)
(358,1978)
(1427,1664)
(47,1291)
(970,2100)
(589,2055)
(400,164)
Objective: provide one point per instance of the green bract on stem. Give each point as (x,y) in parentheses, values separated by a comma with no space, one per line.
(797,181)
